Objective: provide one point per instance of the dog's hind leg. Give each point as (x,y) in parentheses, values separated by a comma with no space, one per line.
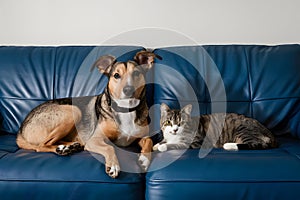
(53,130)
(55,143)
(60,148)
(63,139)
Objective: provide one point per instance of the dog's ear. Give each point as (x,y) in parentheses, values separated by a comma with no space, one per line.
(146,58)
(104,64)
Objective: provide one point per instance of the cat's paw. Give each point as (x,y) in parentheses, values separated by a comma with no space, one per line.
(155,147)
(231,146)
(162,148)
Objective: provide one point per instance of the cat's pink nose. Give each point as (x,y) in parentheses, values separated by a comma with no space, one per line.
(175,129)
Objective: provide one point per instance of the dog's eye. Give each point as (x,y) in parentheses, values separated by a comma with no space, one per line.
(117,76)
(136,73)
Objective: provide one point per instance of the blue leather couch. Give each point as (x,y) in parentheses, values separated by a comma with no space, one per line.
(262,82)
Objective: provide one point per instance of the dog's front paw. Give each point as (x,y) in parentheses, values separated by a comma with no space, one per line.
(112,169)
(144,161)
(162,147)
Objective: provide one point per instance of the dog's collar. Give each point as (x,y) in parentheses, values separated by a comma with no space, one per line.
(119,109)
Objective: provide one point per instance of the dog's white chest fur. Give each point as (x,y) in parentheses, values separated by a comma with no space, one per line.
(129,129)
(126,123)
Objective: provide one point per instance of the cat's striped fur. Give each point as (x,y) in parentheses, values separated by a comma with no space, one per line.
(228,130)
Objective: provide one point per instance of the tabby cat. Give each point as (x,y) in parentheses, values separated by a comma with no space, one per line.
(228,130)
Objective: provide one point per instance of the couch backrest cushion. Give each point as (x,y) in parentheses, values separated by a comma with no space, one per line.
(26,79)
(259,81)
(30,76)
(262,82)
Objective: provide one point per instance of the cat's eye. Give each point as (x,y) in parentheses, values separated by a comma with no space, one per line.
(117,76)
(168,123)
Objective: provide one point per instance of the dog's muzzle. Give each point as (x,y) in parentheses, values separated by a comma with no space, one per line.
(128,90)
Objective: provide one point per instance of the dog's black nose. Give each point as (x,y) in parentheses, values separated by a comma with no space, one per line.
(128,90)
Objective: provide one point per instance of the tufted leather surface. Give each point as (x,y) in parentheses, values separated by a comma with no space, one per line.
(268,174)
(258,81)
(31,75)
(31,175)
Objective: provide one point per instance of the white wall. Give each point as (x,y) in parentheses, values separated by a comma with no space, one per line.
(148,22)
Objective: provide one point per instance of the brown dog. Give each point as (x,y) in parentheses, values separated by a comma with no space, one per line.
(119,115)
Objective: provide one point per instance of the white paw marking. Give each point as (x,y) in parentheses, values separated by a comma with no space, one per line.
(265,139)
(61,147)
(114,171)
(162,148)
(155,147)
(144,162)
(231,146)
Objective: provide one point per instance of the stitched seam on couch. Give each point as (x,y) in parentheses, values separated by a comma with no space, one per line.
(221,181)
(292,154)
(71,181)
(258,100)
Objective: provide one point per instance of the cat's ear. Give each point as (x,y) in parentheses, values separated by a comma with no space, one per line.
(187,109)
(164,109)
